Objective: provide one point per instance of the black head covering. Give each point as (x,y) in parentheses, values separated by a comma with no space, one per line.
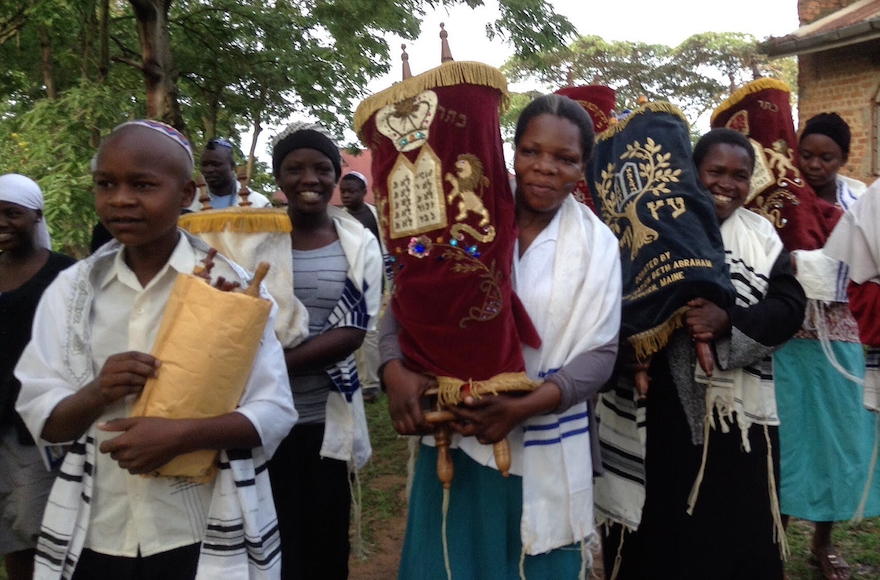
(832,126)
(305,136)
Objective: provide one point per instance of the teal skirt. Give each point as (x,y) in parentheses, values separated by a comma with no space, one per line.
(827,436)
(482,527)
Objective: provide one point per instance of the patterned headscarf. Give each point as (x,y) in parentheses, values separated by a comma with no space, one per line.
(25,192)
(169,132)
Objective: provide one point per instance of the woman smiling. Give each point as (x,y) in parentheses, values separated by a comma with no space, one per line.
(566,272)
(337,276)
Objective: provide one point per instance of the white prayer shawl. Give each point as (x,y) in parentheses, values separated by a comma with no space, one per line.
(582,313)
(241,541)
(816,267)
(871,397)
(751,248)
(387,276)
(856,241)
(242,538)
(345,433)
(620,491)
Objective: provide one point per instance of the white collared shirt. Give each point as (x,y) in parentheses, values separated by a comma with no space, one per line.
(131,513)
(100,301)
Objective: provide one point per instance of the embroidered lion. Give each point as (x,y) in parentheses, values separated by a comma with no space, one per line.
(468,177)
(781,160)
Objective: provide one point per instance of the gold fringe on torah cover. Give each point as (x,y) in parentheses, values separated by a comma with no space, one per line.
(248,236)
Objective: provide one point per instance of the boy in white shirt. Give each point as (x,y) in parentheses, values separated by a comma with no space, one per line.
(86,364)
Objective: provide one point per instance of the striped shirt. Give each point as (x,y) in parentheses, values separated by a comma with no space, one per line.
(319,280)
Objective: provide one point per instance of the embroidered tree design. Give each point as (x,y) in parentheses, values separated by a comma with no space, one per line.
(618,188)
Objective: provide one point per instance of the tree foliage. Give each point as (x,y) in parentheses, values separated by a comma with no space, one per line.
(696,75)
(73,69)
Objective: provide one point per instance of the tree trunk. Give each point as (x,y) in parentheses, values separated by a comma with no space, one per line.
(86,39)
(209,119)
(258,128)
(103,40)
(46,63)
(160,75)
(210,127)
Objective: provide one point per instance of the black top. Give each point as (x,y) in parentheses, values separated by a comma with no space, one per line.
(17,309)
(366,217)
(779,314)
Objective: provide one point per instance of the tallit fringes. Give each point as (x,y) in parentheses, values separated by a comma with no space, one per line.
(647,342)
(618,559)
(778,529)
(860,511)
(654,107)
(695,491)
(751,88)
(413,447)
(358,547)
(445,538)
(816,312)
(446,75)
(238,220)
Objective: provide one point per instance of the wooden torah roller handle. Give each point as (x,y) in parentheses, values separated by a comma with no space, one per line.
(438,419)
(253,288)
(445,470)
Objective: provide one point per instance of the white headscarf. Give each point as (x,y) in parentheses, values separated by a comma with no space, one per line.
(25,192)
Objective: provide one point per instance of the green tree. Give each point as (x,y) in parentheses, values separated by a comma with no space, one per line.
(696,75)
(59,160)
(76,68)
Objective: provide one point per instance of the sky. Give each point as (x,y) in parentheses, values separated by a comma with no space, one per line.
(652,21)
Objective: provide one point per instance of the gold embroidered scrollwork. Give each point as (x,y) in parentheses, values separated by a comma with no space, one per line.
(770,206)
(780,159)
(492,297)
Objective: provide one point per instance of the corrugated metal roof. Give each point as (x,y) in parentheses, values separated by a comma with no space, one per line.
(856,23)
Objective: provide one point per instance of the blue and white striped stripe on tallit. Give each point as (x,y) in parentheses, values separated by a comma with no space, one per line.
(552,429)
(350,312)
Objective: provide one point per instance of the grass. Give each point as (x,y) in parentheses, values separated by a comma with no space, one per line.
(859,544)
(383,479)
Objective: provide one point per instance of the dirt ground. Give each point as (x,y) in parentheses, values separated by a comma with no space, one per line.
(384,539)
(385,543)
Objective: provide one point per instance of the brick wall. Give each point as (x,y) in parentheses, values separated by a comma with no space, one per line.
(812,10)
(845,81)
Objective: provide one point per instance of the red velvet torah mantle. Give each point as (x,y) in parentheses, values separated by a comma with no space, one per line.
(447,213)
(598,101)
(761,110)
